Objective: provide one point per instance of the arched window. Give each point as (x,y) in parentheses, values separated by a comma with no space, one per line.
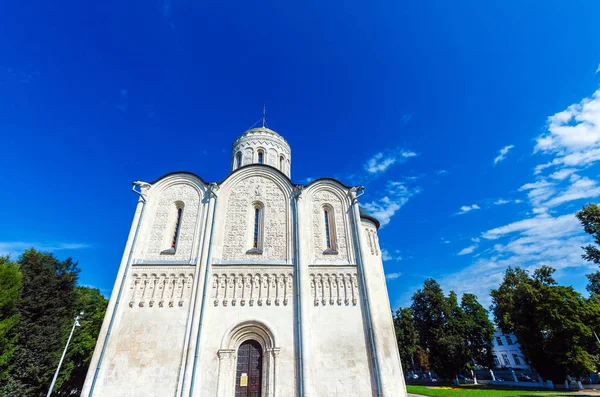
(238,160)
(329,226)
(261,157)
(177,225)
(173,229)
(281,163)
(257,229)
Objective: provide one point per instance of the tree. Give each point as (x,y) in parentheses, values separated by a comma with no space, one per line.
(439,321)
(10,291)
(478,330)
(46,309)
(551,322)
(74,369)
(406,336)
(589,216)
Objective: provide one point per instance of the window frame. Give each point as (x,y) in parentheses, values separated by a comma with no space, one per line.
(257,228)
(175,222)
(329,227)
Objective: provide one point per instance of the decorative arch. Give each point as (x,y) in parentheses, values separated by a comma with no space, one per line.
(232,340)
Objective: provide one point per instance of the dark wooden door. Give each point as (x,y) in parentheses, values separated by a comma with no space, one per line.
(248,377)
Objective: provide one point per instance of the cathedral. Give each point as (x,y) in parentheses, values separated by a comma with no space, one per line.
(253,286)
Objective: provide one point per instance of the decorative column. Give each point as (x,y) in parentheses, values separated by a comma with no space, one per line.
(227,360)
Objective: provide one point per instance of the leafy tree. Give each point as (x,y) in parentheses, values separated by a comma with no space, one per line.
(478,330)
(589,216)
(439,321)
(551,322)
(74,369)
(45,309)
(406,336)
(10,290)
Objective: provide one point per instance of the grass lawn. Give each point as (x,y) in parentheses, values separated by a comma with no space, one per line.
(477,392)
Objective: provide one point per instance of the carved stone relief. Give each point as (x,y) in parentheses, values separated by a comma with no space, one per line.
(239,224)
(321,198)
(334,288)
(163,224)
(160,287)
(243,287)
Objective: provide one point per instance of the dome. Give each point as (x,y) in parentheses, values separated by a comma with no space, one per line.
(261,146)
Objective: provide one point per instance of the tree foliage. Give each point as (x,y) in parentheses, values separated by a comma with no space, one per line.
(551,322)
(406,336)
(454,336)
(38,301)
(478,331)
(74,369)
(589,216)
(10,290)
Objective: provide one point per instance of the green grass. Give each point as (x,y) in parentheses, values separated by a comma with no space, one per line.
(480,392)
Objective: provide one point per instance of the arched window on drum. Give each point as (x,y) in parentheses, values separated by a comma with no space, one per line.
(329,233)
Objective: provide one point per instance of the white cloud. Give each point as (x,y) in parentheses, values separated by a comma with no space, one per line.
(562,174)
(598,69)
(381,161)
(501,201)
(468,250)
(17,247)
(573,135)
(579,189)
(466,208)
(441,172)
(502,153)
(393,276)
(397,194)
(542,225)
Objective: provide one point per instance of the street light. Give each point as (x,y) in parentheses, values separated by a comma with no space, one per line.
(75,324)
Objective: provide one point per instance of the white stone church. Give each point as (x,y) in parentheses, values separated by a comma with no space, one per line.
(253,286)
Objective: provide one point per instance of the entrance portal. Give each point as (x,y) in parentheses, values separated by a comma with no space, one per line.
(248,377)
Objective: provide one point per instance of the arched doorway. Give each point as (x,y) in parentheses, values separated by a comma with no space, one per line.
(248,377)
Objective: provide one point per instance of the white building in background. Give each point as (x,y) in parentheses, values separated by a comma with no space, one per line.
(253,286)
(507,352)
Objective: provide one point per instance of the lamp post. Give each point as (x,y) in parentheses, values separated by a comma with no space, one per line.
(75,324)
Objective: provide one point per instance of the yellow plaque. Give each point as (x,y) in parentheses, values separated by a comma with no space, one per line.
(244,380)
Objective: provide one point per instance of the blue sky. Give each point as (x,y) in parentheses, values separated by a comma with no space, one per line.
(475,127)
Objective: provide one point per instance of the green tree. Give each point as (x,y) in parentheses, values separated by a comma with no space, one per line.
(406,336)
(551,322)
(478,330)
(46,310)
(74,369)
(10,290)
(589,216)
(440,321)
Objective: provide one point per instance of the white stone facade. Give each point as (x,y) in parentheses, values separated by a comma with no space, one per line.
(507,352)
(209,267)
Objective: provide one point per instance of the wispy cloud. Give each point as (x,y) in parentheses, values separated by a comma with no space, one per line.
(387,256)
(467,208)
(501,201)
(468,250)
(502,153)
(441,172)
(17,247)
(397,194)
(393,276)
(381,161)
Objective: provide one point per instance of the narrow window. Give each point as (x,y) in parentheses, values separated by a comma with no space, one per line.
(329,224)
(256,226)
(506,360)
(496,361)
(238,160)
(499,341)
(177,227)
(281,163)
(508,340)
(516,358)
(261,156)
(257,229)
(327,230)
